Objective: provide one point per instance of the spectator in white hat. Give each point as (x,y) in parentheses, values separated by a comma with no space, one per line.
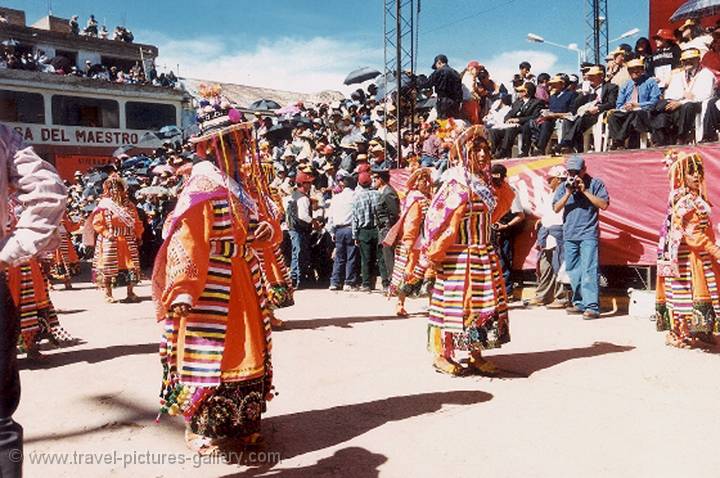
(550,245)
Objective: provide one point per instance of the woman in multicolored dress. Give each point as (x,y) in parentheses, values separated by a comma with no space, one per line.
(468,310)
(407,276)
(118,227)
(29,289)
(38,318)
(65,260)
(210,294)
(688,300)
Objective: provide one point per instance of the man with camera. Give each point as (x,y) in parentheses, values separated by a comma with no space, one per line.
(581,198)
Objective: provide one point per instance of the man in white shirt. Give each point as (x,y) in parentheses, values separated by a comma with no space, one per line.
(689,87)
(549,244)
(339,224)
(299,219)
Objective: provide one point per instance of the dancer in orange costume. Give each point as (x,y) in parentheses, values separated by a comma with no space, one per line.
(406,234)
(65,260)
(468,310)
(210,294)
(688,300)
(119,229)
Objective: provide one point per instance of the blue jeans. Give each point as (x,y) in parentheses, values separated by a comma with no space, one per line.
(581,263)
(300,258)
(506,260)
(346,255)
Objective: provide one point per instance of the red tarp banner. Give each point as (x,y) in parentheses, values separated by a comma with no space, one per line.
(638,188)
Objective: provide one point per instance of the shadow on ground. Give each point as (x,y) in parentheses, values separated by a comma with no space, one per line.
(351,462)
(135,417)
(523,365)
(305,432)
(88,355)
(343,322)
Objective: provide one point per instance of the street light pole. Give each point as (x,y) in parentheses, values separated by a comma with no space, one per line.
(533,38)
(625,35)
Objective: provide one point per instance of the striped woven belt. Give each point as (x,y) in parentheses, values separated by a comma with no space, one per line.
(122,231)
(226,248)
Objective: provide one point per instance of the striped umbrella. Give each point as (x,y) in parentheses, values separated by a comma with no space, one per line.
(695,9)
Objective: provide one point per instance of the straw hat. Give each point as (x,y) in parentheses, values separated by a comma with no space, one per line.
(417,175)
(636,63)
(690,54)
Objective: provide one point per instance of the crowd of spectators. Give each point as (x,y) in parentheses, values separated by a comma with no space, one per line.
(660,92)
(93,29)
(330,163)
(13,59)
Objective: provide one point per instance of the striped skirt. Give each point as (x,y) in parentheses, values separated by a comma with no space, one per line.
(38,318)
(468,308)
(684,311)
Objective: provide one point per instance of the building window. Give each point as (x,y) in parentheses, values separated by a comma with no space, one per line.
(21,107)
(81,111)
(149,115)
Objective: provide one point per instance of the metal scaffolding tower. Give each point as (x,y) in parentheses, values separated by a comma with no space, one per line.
(401,21)
(596,21)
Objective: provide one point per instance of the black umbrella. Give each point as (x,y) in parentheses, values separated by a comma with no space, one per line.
(360,75)
(298,120)
(265,105)
(61,63)
(695,9)
(387,84)
(278,133)
(426,104)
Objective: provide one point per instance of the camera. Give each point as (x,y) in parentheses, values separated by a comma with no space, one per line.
(572,182)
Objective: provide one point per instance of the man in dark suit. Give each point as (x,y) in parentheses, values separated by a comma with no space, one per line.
(387,213)
(590,106)
(448,87)
(560,104)
(524,109)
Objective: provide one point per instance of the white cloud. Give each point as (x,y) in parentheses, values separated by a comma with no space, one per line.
(302,65)
(503,66)
(310,65)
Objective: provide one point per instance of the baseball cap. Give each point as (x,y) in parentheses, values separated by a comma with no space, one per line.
(364,179)
(575,163)
(557,172)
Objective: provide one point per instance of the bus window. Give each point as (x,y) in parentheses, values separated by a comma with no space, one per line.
(81,111)
(149,115)
(21,107)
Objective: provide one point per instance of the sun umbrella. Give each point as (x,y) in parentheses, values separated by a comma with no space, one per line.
(426,104)
(298,120)
(169,132)
(122,150)
(184,170)
(278,133)
(360,75)
(163,168)
(132,162)
(387,84)
(289,110)
(265,105)
(153,191)
(695,9)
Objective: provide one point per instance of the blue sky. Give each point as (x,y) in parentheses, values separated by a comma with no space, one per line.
(310,45)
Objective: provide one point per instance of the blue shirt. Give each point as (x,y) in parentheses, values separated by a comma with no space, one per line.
(648,93)
(561,102)
(581,220)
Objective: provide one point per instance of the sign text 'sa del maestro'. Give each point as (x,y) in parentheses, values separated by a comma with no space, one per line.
(76,135)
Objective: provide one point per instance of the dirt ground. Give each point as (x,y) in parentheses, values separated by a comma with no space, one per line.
(358,398)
